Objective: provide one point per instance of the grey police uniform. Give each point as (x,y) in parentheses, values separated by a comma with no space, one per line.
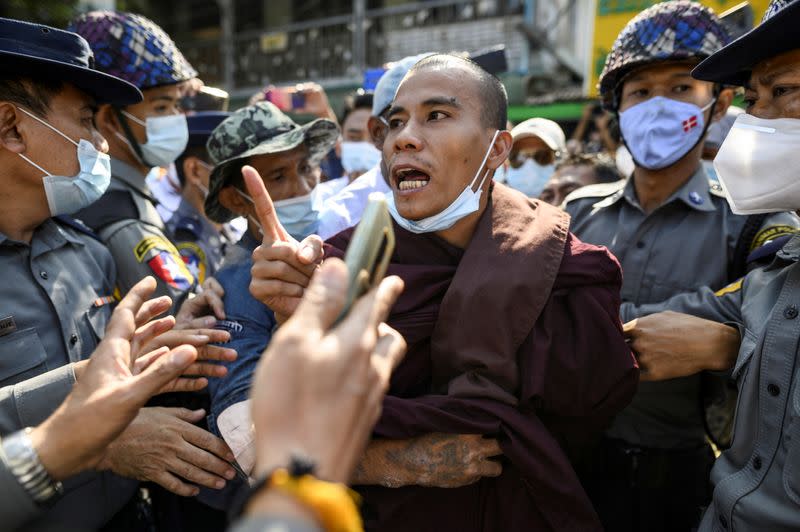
(757,481)
(55,302)
(126,219)
(685,244)
(200,244)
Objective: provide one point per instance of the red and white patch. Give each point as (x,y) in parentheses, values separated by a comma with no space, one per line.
(689,124)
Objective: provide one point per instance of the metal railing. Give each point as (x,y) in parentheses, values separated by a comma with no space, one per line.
(330,49)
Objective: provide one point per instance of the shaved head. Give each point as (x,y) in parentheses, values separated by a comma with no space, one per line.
(494,114)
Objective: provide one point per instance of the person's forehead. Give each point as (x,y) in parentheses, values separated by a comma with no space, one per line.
(577,173)
(662,71)
(357,118)
(171,92)
(71,99)
(448,82)
(784,64)
(529,142)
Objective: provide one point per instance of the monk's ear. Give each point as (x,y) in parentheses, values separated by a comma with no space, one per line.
(11,137)
(500,150)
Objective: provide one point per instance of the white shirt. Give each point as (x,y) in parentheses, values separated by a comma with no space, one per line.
(344,209)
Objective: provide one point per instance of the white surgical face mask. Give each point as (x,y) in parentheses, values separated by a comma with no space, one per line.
(758,165)
(530,178)
(68,195)
(297,215)
(359,156)
(466,203)
(660,131)
(167,137)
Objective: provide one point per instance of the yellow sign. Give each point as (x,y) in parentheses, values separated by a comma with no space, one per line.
(612,15)
(274,42)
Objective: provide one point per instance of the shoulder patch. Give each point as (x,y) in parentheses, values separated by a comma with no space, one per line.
(599,190)
(769,234)
(165,261)
(195,259)
(733,287)
(715,189)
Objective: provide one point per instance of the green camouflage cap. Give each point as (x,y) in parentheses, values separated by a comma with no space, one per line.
(259,129)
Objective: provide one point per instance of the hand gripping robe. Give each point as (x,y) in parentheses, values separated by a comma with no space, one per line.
(516,337)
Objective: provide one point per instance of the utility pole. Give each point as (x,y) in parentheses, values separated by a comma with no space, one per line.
(359,35)
(228,58)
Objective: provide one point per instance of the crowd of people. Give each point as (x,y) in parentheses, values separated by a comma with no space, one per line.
(593,333)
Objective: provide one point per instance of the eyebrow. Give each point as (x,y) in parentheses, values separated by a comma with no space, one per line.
(768,79)
(446,101)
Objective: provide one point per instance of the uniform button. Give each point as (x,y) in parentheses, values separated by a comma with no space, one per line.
(790,312)
(757,462)
(723,521)
(43,274)
(73,339)
(640,245)
(773,389)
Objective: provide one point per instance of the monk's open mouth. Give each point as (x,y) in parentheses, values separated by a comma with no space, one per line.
(410,179)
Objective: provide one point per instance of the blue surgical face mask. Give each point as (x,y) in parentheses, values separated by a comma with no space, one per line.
(167,137)
(660,131)
(68,195)
(297,215)
(466,203)
(530,178)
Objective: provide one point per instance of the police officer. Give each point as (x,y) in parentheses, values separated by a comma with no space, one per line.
(141,136)
(55,298)
(673,232)
(59,278)
(757,481)
(200,242)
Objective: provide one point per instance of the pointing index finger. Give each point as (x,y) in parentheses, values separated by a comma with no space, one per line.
(265,210)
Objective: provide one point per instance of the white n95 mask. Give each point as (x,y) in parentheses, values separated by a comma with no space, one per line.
(758,165)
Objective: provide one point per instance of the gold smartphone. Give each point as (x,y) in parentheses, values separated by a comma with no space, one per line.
(370,249)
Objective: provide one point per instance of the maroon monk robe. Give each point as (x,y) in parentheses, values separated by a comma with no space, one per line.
(517,337)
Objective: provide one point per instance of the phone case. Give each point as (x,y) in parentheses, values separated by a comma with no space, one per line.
(370,250)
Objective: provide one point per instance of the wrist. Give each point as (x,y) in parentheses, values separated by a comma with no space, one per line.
(79,368)
(22,459)
(272,503)
(723,359)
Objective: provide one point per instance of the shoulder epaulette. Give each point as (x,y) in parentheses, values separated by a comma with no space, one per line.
(77,225)
(597,191)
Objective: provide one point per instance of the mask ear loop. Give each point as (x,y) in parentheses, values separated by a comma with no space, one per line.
(486,171)
(132,142)
(250,216)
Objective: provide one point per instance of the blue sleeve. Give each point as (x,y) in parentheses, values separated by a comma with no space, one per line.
(250,324)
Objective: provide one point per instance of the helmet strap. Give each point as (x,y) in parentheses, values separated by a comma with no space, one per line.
(126,130)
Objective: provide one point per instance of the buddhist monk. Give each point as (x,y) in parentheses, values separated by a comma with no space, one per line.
(516,357)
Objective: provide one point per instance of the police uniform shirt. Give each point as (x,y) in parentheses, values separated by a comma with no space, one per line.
(126,220)
(685,244)
(55,303)
(757,481)
(56,300)
(201,246)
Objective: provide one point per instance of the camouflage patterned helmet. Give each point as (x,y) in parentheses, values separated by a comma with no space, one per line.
(667,31)
(133,48)
(259,129)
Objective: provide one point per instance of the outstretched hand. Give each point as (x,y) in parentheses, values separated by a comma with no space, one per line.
(110,391)
(282,267)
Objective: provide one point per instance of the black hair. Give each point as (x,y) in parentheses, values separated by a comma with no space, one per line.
(28,87)
(191,151)
(494,112)
(603,165)
(355,101)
